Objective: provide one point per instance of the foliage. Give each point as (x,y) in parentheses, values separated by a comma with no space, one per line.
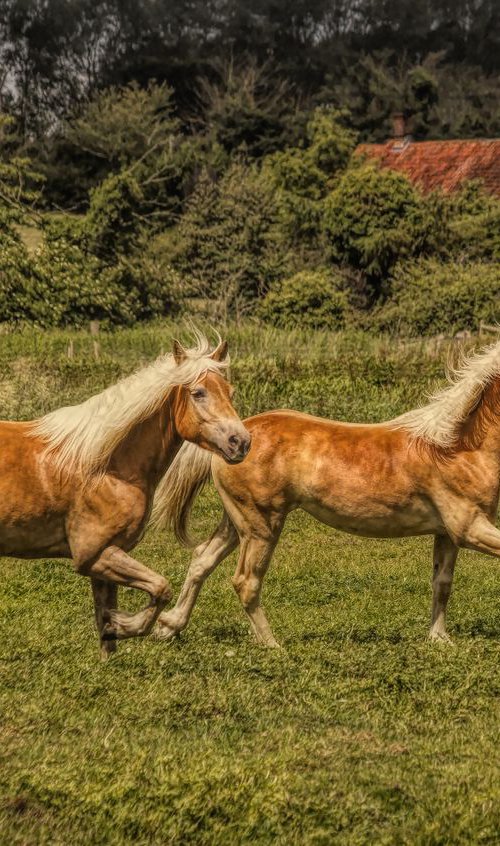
(122,125)
(304,174)
(18,297)
(312,298)
(62,284)
(475,222)
(19,181)
(373,218)
(126,130)
(430,297)
(227,242)
(111,224)
(246,109)
(54,60)
(438,99)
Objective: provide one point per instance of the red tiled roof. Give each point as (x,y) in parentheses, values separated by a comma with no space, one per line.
(441,164)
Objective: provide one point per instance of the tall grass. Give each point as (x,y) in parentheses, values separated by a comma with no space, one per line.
(343,375)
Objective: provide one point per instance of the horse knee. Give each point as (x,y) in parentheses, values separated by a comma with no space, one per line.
(163,592)
(198,572)
(247,589)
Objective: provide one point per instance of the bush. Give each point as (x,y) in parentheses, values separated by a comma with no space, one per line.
(18,296)
(113,131)
(312,299)
(430,297)
(475,222)
(62,285)
(375,217)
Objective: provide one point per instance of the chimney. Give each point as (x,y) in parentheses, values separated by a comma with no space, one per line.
(398,126)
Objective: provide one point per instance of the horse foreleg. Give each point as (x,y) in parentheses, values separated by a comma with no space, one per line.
(482,536)
(445,556)
(105,596)
(116,567)
(205,559)
(253,563)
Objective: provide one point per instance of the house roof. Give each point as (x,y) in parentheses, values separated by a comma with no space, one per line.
(440,164)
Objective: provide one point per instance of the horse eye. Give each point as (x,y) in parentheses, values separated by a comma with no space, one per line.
(198,395)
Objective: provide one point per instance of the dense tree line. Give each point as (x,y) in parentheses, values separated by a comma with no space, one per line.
(56,53)
(208,151)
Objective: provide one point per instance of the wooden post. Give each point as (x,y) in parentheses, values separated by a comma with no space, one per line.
(94,331)
(71,349)
(488,327)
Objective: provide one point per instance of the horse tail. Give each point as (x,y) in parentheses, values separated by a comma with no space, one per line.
(178,489)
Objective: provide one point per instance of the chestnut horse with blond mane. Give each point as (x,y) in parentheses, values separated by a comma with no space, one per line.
(432,471)
(79,483)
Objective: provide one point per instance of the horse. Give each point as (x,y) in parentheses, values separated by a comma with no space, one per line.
(79,482)
(434,470)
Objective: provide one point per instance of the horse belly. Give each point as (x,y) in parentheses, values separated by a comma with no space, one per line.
(31,522)
(34,538)
(30,526)
(383,505)
(376,519)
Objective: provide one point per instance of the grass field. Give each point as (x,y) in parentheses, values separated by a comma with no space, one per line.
(359,731)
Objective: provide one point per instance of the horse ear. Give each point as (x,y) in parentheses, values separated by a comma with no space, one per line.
(221,352)
(179,352)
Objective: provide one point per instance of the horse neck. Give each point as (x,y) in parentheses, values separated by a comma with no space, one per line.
(149,448)
(481,430)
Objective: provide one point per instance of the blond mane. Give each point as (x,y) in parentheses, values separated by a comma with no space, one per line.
(440,421)
(83,437)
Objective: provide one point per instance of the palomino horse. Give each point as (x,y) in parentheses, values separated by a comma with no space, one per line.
(79,483)
(434,470)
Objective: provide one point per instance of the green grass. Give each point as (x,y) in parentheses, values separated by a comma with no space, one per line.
(358,731)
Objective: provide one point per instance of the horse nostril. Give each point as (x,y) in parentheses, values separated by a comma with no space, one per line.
(234,441)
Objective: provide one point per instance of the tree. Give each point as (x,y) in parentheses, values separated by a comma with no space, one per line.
(228,244)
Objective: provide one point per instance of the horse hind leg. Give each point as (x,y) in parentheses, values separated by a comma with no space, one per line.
(254,560)
(445,556)
(105,596)
(115,567)
(205,559)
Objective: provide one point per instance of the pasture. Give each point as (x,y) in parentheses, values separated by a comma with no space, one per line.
(358,731)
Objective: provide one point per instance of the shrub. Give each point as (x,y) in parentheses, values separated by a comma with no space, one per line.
(111,225)
(430,297)
(19,182)
(246,107)
(62,285)
(312,298)
(17,289)
(375,217)
(475,221)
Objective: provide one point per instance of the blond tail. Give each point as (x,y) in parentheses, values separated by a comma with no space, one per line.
(178,489)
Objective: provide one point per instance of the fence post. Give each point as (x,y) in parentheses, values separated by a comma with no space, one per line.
(94,331)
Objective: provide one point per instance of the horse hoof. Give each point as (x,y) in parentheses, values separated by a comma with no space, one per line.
(441,637)
(164,633)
